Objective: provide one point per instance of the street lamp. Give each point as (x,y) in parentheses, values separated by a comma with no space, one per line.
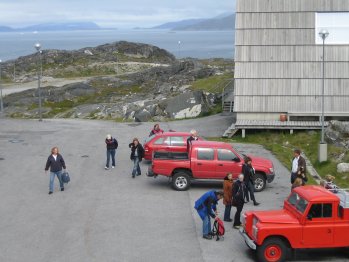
(1,103)
(38,47)
(323,146)
(179,49)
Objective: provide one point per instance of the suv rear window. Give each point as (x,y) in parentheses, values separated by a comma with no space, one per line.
(177,141)
(205,154)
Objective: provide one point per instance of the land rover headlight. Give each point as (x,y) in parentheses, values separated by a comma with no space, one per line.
(271,170)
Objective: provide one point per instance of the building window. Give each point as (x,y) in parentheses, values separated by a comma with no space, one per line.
(336,23)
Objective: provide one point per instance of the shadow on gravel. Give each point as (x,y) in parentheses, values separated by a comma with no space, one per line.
(321,254)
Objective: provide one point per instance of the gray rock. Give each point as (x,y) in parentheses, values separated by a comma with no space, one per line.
(337,133)
(142,115)
(343,167)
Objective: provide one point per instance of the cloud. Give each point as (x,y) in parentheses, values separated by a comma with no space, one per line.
(108,12)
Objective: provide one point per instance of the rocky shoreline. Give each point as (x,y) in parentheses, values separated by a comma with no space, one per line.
(147,85)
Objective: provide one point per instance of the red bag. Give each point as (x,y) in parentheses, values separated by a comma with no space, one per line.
(218,229)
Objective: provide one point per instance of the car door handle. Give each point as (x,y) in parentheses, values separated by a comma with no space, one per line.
(329,231)
(220,165)
(199,164)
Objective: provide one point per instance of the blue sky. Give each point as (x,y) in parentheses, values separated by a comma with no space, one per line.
(109,13)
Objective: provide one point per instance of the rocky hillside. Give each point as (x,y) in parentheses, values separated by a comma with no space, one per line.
(157,90)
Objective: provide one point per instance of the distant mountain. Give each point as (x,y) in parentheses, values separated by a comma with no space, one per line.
(220,23)
(224,21)
(69,26)
(171,25)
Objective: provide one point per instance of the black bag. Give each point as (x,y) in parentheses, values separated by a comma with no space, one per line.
(65,177)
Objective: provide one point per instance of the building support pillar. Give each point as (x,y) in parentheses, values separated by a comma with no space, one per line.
(243,133)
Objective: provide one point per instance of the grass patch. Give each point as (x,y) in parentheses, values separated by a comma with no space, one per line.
(282,144)
(212,84)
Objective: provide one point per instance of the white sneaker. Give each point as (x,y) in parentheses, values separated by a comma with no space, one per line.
(106,168)
(112,166)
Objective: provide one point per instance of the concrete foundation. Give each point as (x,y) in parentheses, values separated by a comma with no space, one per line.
(322,153)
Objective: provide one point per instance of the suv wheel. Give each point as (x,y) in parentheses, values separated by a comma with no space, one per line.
(272,250)
(259,182)
(181,181)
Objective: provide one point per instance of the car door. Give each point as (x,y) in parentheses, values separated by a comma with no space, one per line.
(203,165)
(318,226)
(178,144)
(227,162)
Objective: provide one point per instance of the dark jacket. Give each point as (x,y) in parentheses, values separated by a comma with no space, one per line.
(239,191)
(301,171)
(111,143)
(191,138)
(155,132)
(55,165)
(207,204)
(248,172)
(140,151)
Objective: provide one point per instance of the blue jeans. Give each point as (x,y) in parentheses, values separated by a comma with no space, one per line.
(110,153)
(52,178)
(136,169)
(206,225)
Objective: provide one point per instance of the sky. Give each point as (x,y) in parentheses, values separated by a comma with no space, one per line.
(109,13)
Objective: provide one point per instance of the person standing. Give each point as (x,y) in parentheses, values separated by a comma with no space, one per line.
(249,172)
(137,153)
(193,137)
(228,194)
(156,130)
(55,163)
(298,167)
(239,190)
(112,145)
(206,206)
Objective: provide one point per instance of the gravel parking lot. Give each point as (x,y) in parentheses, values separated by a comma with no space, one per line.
(107,215)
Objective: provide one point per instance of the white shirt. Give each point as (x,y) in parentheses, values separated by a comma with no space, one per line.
(295,165)
(55,157)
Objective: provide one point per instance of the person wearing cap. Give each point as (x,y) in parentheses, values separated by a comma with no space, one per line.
(249,173)
(112,145)
(206,206)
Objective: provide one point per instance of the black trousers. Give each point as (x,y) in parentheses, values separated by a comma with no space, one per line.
(250,190)
(239,207)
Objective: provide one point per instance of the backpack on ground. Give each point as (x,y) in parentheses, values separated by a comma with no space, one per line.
(218,229)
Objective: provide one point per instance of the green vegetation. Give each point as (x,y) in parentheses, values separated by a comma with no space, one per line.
(213,84)
(282,144)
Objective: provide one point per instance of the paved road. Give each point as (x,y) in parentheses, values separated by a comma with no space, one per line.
(107,215)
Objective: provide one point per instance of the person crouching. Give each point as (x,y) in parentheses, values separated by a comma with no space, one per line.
(206,206)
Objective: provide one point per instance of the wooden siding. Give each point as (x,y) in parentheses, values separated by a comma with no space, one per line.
(278,67)
(291,53)
(292,5)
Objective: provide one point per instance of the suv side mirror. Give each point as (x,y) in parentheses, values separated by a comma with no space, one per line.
(236,159)
(309,217)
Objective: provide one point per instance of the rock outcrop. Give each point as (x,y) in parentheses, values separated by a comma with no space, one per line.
(343,168)
(337,133)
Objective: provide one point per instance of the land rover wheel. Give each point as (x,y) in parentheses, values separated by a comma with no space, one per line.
(181,181)
(259,182)
(272,250)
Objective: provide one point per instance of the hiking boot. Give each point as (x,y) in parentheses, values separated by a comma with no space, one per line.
(228,220)
(62,189)
(256,203)
(50,192)
(207,237)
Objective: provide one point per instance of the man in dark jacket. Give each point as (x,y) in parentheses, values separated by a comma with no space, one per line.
(112,145)
(249,173)
(137,153)
(206,206)
(298,167)
(239,191)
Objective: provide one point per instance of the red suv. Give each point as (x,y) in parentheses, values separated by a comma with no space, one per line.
(167,141)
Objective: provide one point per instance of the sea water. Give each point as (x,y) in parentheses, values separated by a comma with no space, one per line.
(196,44)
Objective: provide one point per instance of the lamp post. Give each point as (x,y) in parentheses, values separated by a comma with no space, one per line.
(323,146)
(1,103)
(179,49)
(38,47)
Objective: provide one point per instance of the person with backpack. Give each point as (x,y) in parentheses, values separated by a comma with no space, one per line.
(228,194)
(156,130)
(112,145)
(206,206)
(239,191)
(137,153)
(249,173)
